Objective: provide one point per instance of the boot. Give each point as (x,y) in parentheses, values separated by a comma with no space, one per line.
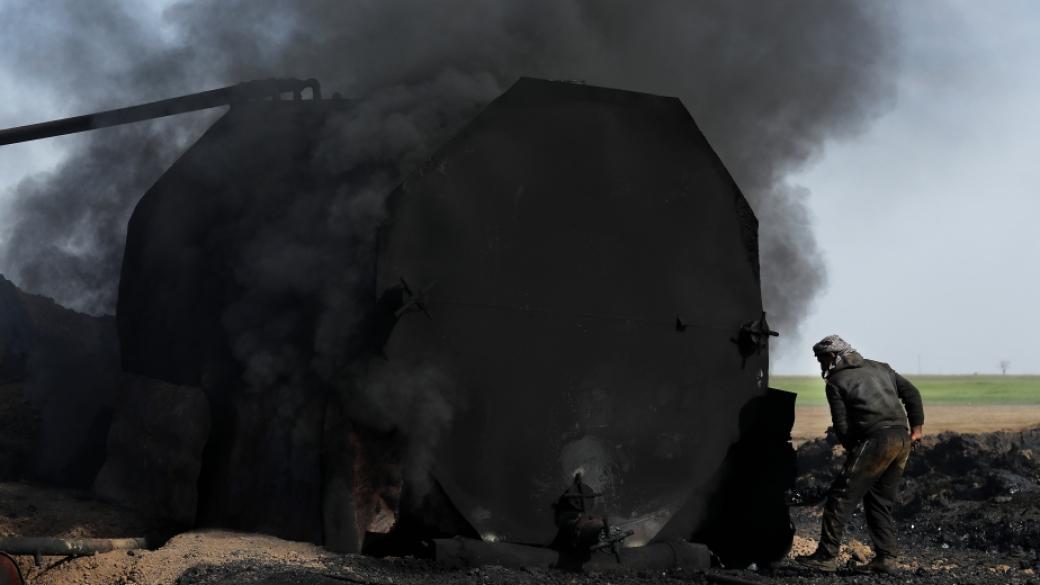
(886,565)
(819,561)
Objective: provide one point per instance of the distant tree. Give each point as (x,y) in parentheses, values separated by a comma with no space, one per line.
(1004,365)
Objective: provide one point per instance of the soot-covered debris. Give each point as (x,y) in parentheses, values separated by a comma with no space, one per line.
(966,500)
(969,513)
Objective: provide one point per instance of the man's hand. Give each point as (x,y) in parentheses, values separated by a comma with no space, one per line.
(916,433)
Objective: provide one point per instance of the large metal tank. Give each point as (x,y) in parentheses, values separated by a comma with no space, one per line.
(198,307)
(588,277)
(592,263)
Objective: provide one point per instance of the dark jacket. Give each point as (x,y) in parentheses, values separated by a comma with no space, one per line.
(866,396)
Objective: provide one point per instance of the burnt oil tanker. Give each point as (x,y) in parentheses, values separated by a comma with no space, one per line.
(571,281)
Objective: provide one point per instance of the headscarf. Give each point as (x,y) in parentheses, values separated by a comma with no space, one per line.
(832,344)
(836,346)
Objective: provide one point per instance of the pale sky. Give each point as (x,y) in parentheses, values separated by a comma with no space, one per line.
(926,219)
(929,219)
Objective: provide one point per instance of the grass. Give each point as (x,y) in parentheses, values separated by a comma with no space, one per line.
(965,389)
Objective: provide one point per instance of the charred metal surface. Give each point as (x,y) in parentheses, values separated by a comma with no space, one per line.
(566,227)
(575,263)
(753,337)
(154,450)
(178,279)
(180,288)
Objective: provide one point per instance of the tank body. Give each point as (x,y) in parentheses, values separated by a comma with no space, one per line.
(566,232)
(584,264)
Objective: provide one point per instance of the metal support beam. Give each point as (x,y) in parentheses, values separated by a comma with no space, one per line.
(247,91)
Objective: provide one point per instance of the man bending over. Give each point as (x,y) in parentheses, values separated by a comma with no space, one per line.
(871,408)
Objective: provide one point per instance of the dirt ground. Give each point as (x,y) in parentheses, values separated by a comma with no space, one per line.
(812,421)
(969,513)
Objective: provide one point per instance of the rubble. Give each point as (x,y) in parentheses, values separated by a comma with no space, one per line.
(978,491)
(968,503)
(968,514)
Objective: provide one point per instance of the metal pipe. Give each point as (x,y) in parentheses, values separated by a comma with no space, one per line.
(730,579)
(462,552)
(36,545)
(246,91)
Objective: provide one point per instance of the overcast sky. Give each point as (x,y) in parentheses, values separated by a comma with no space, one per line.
(929,220)
(926,219)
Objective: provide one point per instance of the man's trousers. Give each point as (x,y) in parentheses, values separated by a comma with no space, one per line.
(872,471)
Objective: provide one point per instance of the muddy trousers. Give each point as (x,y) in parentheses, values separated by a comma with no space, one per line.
(872,472)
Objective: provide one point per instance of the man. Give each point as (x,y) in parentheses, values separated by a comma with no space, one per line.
(867,401)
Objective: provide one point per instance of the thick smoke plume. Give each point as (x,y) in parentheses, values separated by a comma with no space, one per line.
(768,83)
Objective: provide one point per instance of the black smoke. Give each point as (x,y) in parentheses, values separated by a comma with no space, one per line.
(768,83)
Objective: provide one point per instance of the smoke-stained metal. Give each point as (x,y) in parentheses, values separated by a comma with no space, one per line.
(183,244)
(561,284)
(187,303)
(566,227)
(753,336)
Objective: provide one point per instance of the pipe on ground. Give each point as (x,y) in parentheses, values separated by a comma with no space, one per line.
(65,547)
(730,580)
(467,552)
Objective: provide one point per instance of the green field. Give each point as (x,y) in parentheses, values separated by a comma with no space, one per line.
(966,389)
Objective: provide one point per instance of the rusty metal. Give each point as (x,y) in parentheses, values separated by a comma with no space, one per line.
(10,572)
(247,91)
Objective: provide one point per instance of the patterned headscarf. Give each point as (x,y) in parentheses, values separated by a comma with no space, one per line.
(832,344)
